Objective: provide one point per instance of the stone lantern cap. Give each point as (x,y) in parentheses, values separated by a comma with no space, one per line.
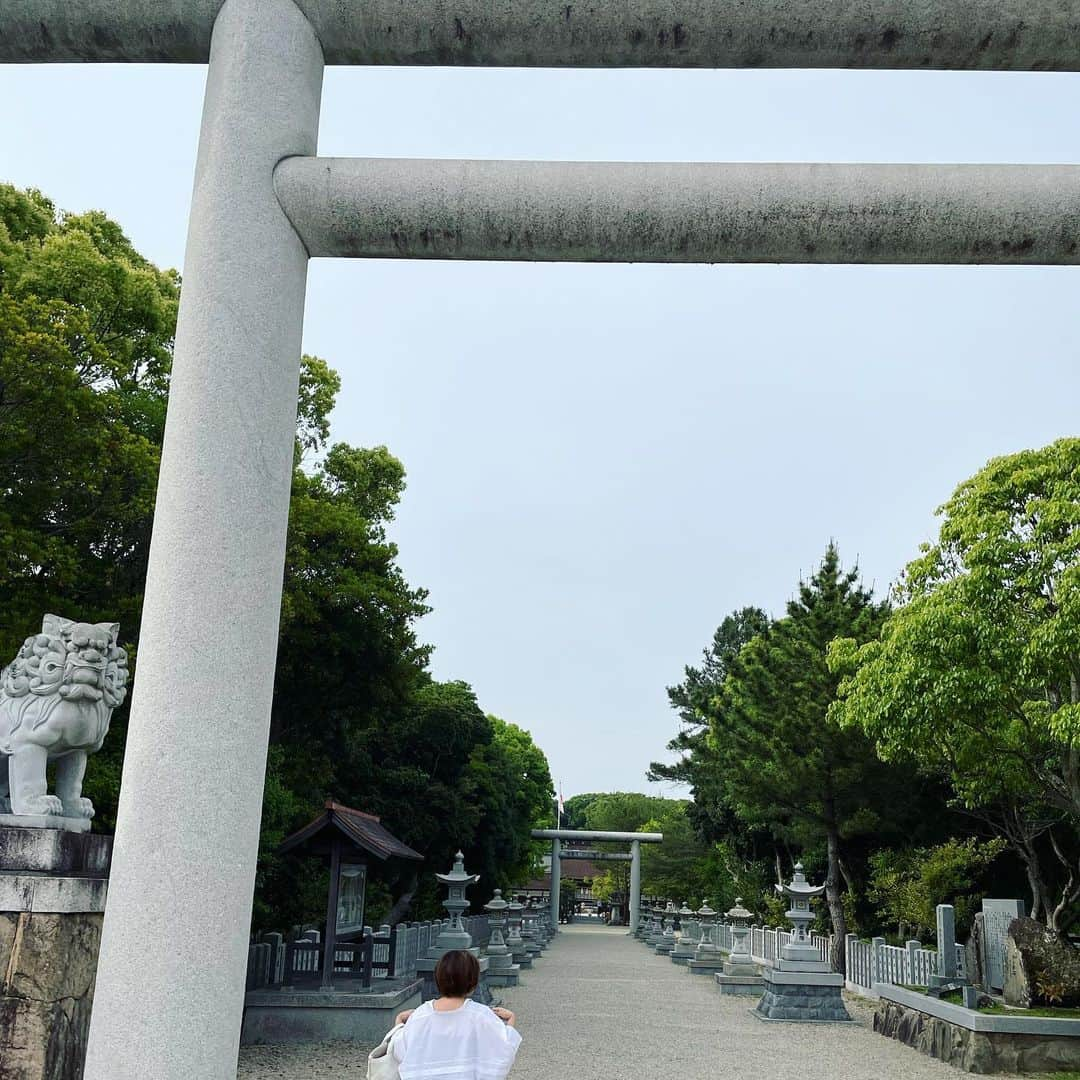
(706,912)
(799,888)
(686,911)
(457,875)
(739,914)
(496,903)
(670,909)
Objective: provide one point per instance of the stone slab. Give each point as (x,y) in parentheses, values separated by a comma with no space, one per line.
(706,967)
(45,821)
(805,966)
(297,1016)
(744,985)
(41,893)
(804,978)
(54,851)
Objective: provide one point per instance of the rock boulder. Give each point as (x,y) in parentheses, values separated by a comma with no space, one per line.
(1040,966)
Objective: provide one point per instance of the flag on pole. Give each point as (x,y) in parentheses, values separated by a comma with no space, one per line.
(562,807)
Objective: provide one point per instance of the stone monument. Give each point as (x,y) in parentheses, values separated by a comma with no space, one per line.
(997,915)
(56,700)
(802,987)
(740,974)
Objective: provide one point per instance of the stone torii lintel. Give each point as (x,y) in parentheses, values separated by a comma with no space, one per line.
(683,212)
(983,35)
(601,836)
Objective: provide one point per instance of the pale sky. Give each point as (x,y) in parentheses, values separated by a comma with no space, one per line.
(604,461)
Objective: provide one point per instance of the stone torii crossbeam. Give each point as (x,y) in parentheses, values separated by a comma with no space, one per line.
(171,973)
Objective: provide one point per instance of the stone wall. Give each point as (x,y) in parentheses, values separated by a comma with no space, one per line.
(47,966)
(975,1051)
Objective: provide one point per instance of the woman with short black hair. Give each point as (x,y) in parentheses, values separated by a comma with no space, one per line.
(453,1037)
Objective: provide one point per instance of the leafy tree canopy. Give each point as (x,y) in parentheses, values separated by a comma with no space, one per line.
(977,673)
(86,335)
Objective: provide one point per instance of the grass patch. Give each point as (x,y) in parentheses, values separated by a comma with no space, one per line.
(996,1009)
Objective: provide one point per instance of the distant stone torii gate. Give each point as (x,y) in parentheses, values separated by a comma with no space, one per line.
(635,840)
(171,973)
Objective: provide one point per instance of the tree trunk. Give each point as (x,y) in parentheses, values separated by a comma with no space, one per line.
(834,897)
(402,903)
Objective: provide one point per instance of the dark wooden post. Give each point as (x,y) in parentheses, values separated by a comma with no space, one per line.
(330,937)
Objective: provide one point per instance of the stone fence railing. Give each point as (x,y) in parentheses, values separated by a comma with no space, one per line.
(388,953)
(767,941)
(870,962)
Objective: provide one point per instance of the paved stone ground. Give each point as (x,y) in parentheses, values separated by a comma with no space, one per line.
(598,1007)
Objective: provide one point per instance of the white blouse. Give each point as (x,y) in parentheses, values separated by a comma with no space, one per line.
(470,1043)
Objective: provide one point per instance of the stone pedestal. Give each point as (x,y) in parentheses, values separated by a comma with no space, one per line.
(52,902)
(802,996)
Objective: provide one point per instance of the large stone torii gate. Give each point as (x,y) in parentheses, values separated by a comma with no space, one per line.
(633,856)
(170,981)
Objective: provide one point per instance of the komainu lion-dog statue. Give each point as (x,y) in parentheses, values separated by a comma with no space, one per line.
(56,699)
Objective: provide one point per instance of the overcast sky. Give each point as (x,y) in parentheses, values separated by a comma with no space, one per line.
(603,461)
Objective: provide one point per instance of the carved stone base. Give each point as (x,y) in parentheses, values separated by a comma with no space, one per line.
(52,896)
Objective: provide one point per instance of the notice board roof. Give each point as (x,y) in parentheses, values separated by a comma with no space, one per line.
(364,831)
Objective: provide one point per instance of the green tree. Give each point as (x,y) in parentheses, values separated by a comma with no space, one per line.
(86,332)
(784,767)
(86,329)
(692,700)
(576,808)
(976,674)
(908,884)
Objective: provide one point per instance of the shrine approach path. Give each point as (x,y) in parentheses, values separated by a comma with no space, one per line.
(598,1006)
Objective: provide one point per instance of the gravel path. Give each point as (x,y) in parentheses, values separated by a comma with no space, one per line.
(597,1006)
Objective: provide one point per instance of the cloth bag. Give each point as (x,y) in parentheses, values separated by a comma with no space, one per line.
(381,1063)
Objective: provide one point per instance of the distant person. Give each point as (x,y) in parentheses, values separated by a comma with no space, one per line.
(452,1037)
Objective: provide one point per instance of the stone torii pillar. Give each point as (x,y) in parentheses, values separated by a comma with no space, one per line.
(556,883)
(635,885)
(191,799)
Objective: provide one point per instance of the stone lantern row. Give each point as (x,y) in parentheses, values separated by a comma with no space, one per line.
(801,986)
(519,934)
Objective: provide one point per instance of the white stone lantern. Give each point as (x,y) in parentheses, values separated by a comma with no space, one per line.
(799,893)
(457,881)
(739,919)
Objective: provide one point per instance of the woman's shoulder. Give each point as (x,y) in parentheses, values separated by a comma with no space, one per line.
(421,1011)
(483,1014)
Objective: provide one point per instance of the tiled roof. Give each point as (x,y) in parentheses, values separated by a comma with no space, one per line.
(366,831)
